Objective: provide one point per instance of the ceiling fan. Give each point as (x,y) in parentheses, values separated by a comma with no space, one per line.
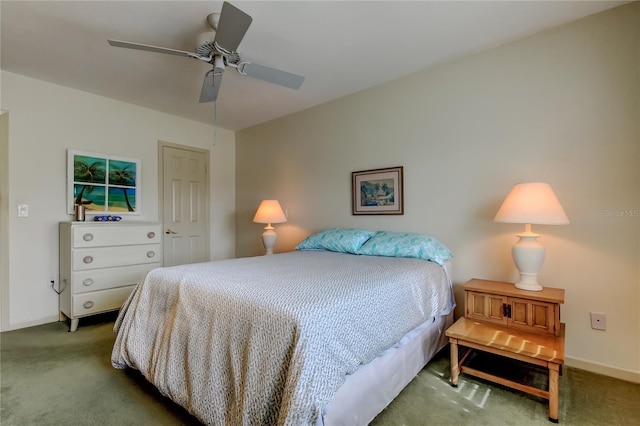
(218,48)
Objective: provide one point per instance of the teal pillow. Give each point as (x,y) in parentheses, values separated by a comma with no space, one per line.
(342,240)
(406,244)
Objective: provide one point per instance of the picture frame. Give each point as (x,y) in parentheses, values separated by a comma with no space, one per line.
(103,183)
(378,191)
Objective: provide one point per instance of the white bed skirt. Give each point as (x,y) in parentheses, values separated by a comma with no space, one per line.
(365,393)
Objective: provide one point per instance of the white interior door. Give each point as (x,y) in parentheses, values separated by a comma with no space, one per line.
(4,220)
(185,189)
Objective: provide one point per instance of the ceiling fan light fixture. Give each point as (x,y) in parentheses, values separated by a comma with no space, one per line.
(218,65)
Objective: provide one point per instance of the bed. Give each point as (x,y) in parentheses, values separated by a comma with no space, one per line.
(310,337)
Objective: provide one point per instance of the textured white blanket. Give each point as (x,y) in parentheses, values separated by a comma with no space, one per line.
(268,340)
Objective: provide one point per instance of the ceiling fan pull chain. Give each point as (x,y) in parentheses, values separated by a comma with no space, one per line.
(215,127)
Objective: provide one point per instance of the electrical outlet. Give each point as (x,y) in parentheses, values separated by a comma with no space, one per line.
(598,321)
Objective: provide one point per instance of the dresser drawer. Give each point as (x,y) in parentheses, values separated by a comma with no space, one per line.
(100,301)
(106,257)
(107,234)
(101,279)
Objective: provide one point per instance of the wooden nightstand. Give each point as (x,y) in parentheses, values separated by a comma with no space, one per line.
(517,324)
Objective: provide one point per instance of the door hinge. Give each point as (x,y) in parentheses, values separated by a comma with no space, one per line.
(506,310)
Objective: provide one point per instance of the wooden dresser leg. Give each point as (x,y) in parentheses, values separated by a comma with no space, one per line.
(455,369)
(554,370)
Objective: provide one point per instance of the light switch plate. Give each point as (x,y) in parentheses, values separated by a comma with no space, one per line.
(23,210)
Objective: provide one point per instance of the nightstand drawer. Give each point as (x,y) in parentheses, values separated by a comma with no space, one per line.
(534,315)
(486,307)
(501,303)
(101,279)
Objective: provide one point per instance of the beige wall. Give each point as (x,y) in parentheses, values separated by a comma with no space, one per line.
(45,121)
(560,106)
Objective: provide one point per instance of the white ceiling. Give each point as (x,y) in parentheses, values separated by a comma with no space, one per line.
(340,46)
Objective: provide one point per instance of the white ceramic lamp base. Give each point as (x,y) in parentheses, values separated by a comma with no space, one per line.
(528,255)
(269,238)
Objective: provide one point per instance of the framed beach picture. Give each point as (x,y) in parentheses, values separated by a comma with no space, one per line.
(103,183)
(377,191)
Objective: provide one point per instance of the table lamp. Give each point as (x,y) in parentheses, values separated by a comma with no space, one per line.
(269,211)
(530,203)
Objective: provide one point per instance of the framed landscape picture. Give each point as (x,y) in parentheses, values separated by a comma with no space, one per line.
(102,183)
(377,191)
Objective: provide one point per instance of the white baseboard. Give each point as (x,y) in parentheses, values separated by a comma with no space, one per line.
(10,327)
(605,370)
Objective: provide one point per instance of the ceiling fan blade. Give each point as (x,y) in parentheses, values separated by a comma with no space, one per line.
(232,27)
(272,75)
(211,86)
(148,48)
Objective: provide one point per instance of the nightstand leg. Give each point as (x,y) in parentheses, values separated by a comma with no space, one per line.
(455,369)
(553,392)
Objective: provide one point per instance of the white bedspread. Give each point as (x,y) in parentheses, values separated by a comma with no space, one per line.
(268,340)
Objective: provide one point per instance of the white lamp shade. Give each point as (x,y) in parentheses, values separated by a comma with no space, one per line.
(269,211)
(533,203)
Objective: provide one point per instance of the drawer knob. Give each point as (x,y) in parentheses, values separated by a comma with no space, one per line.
(151,234)
(88,304)
(87,237)
(87,259)
(87,281)
(151,254)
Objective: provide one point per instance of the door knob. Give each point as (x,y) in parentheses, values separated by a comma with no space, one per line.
(169,231)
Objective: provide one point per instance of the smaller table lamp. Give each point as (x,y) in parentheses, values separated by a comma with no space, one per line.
(530,203)
(269,211)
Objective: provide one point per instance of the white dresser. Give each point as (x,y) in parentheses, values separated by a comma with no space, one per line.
(100,263)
